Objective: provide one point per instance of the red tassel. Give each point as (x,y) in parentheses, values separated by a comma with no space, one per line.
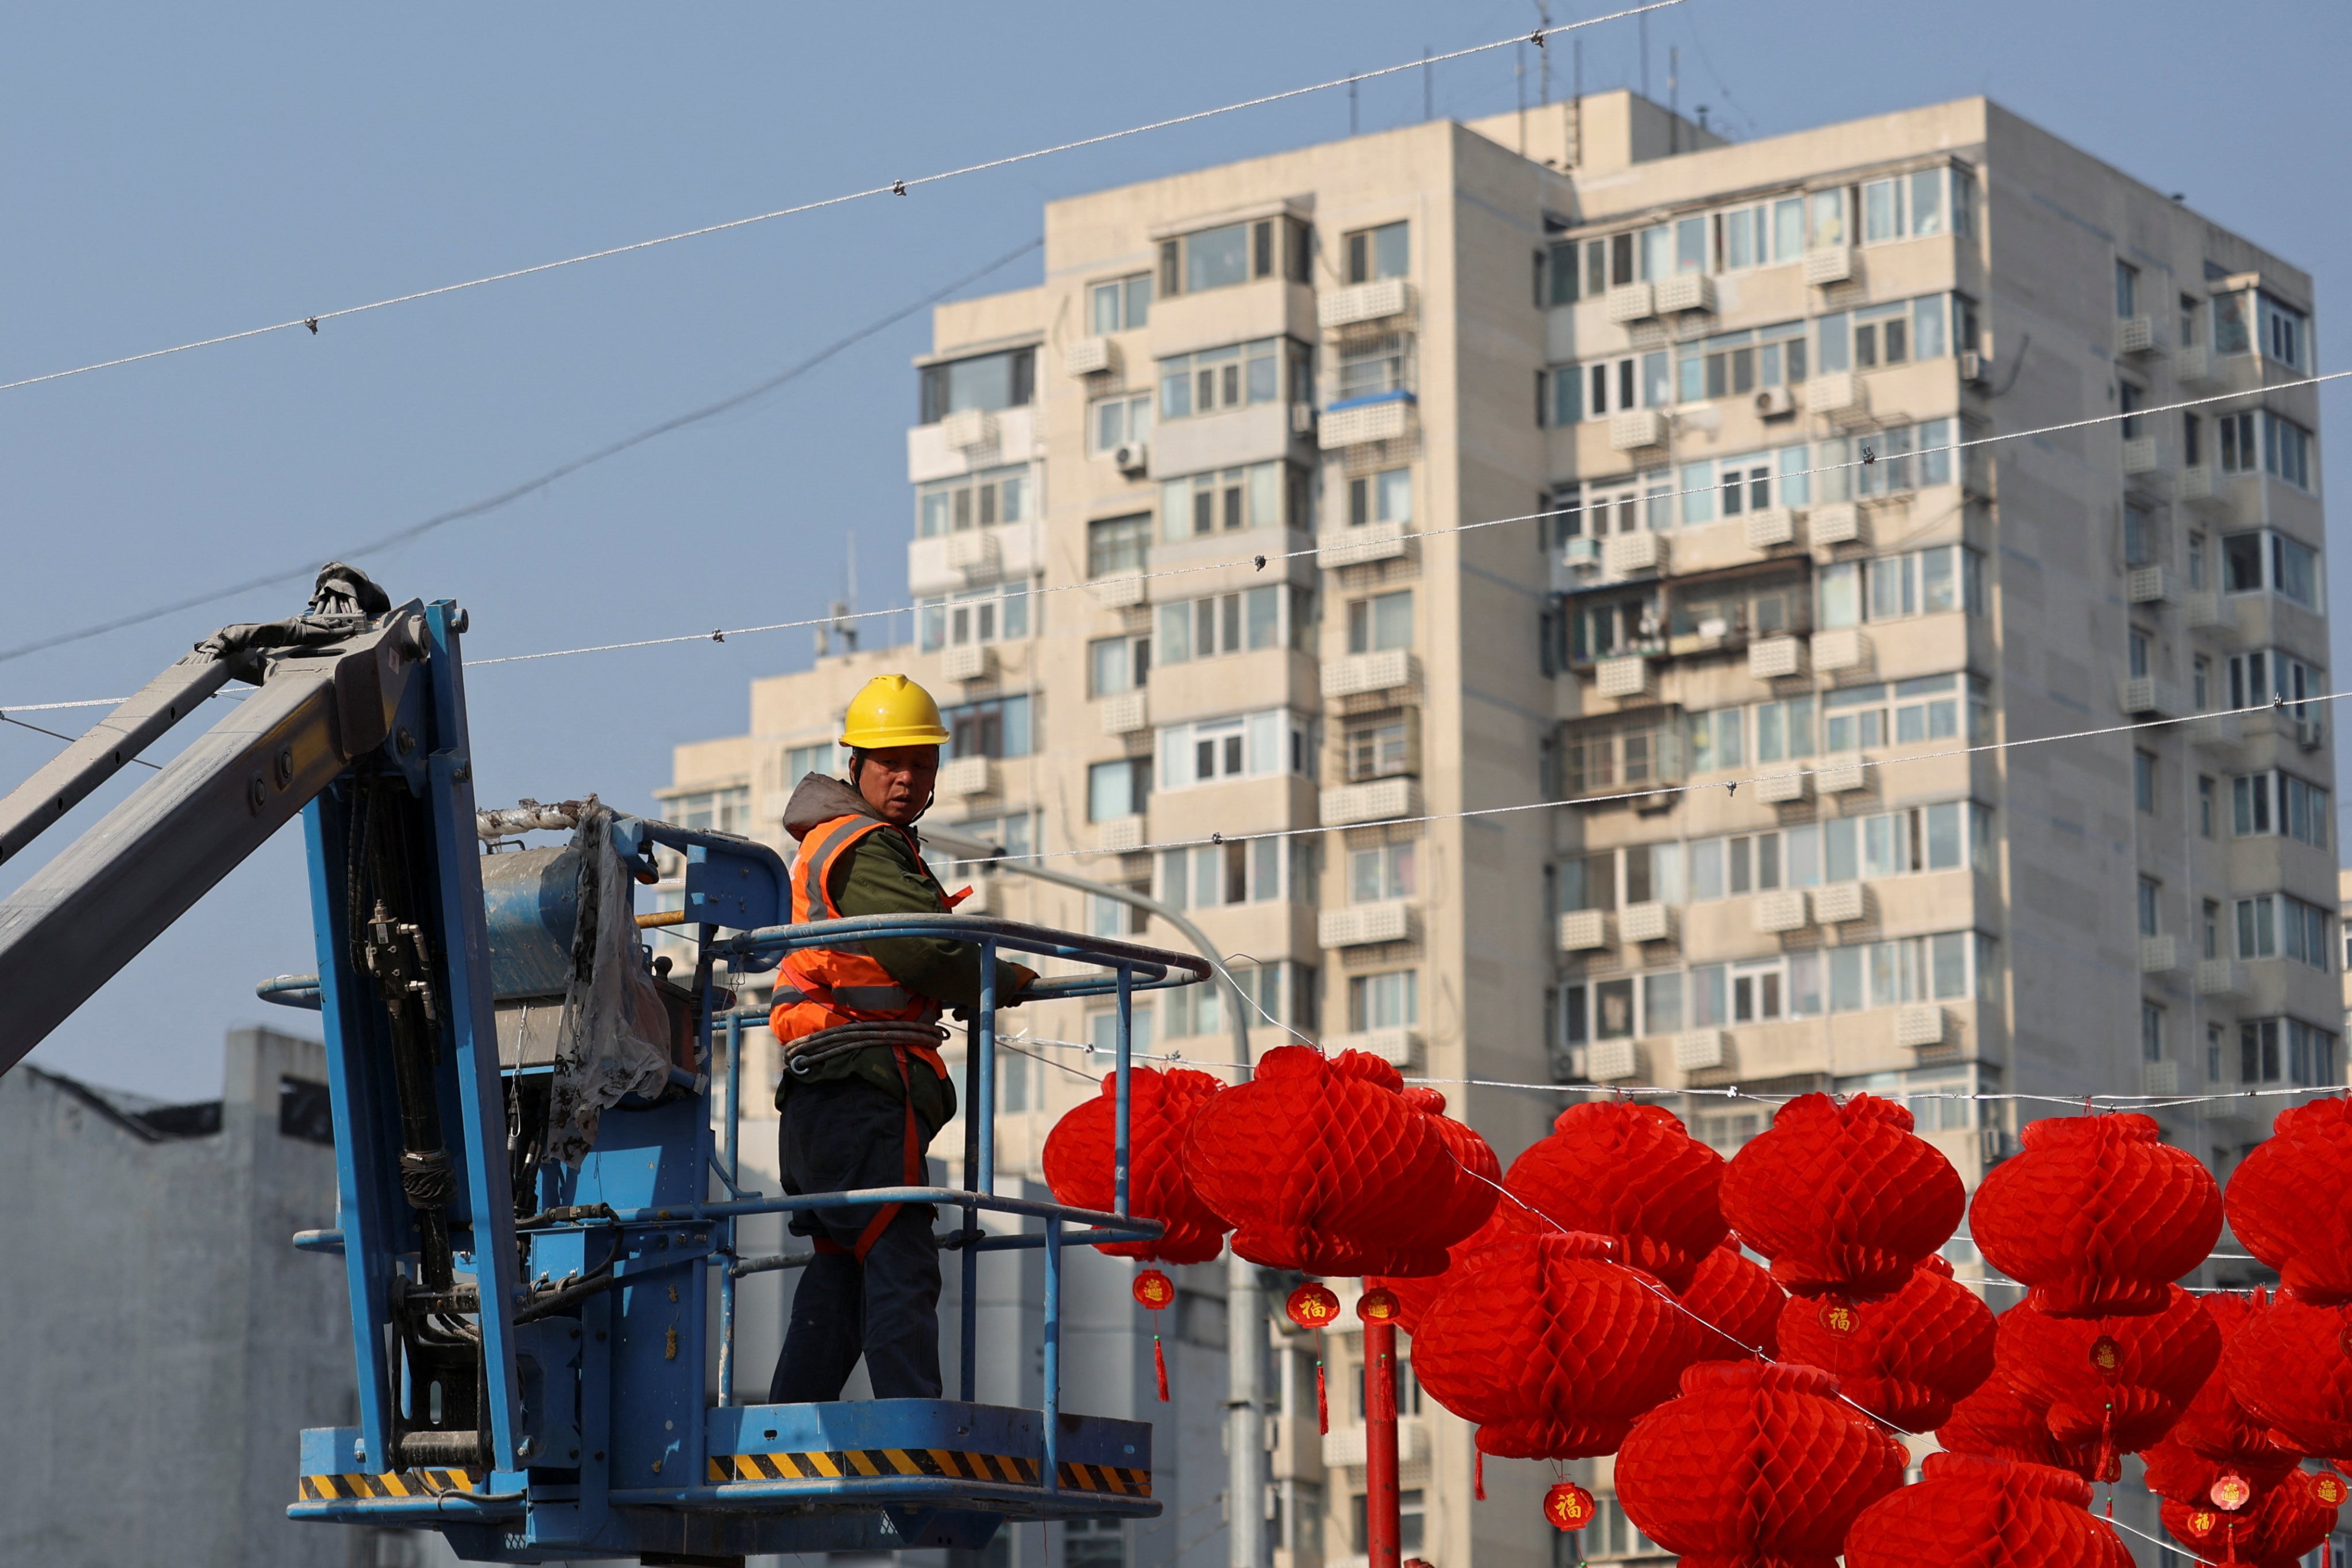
(1478,1475)
(1159,1368)
(1322,1402)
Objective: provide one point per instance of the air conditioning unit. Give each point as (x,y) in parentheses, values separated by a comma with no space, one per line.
(1132,458)
(1974,369)
(1582,553)
(1775,402)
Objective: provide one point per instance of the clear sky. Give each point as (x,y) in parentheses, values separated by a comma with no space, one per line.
(169,173)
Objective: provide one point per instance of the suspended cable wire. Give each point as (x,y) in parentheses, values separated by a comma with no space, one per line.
(312,320)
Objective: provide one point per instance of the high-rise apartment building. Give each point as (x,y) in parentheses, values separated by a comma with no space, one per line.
(1228,529)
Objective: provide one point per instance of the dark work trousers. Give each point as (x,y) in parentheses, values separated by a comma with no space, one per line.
(840,1135)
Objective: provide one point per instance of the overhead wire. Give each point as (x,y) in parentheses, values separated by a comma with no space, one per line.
(528,487)
(311,321)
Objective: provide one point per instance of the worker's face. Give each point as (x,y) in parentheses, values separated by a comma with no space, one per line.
(897,782)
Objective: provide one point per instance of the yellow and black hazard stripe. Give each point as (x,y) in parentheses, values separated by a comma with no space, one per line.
(394,1484)
(852,1464)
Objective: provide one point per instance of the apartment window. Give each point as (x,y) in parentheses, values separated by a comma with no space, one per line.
(1951,965)
(2150,894)
(1375,253)
(1384,497)
(1389,1001)
(1882,211)
(1013,833)
(1596,389)
(1903,714)
(1013,1083)
(1112,917)
(1121,304)
(823,757)
(2151,1031)
(1942,837)
(2137,647)
(2286,451)
(1209,876)
(1386,871)
(2238,449)
(725,810)
(1234,376)
(988,382)
(2284,331)
(1099,1543)
(2127,291)
(1118,545)
(2195,552)
(1376,365)
(1281,991)
(2139,535)
(1882,335)
(1380,749)
(2286,1050)
(2205,793)
(2232,333)
(1220,624)
(992,615)
(1896,588)
(1119,664)
(1246,746)
(975,500)
(1897,459)
(1117,789)
(1561,274)
(996,728)
(1213,258)
(1381,622)
(2191,308)
(2131,399)
(1113,421)
(2279,925)
(2266,803)
(1734,364)
(1829,218)
(1644,503)
(2266,675)
(1629,754)
(2192,439)
(1226,501)
(2144,780)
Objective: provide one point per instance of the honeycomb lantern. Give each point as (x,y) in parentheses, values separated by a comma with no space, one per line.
(2276,1529)
(1415,1297)
(1079,1153)
(2271,1207)
(1551,1348)
(2098,1215)
(2288,1365)
(2172,1471)
(1843,1199)
(1737,1305)
(1998,1422)
(1986,1513)
(2217,1425)
(1326,1165)
(1630,1171)
(1909,1359)
(2117,1383)
(1755,1466)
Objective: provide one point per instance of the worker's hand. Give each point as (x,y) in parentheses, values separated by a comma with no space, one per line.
(1013,983)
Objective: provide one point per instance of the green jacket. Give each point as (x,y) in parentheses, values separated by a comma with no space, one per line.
(881,876)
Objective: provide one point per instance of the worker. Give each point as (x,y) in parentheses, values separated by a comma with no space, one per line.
(856,1112)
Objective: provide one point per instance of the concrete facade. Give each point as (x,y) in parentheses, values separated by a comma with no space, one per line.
(1729,378)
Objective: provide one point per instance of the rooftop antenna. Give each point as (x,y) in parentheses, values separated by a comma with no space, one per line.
(1673,98)
(1519,74)
(1428,97)
(837,622)
(1351,105)
(1641,28)
(1543,66)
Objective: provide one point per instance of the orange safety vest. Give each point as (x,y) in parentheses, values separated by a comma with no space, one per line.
(820,987)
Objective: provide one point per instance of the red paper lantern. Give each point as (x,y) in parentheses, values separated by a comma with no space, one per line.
(1842,1198)
(1415,1297)
(2274,1531)
(1552,1349)
(1755,1463)
(1998,1422)
(2290,1365)
(1325,1166)
(1737,1305)
(1312,1306)
(2119,1382)
(1986,1513)
(1161,1106)
(2270,1201)
(1567,1506)
(2173,1471)
(1907,1359)
(1630,1171)
(2216,1427)
(2098,1214)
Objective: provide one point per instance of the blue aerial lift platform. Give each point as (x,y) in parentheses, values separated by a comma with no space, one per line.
(531,1343)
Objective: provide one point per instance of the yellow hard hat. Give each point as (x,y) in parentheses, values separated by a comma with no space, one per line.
(892,711)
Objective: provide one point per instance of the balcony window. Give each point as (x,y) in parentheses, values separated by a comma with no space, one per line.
(1117,789)
(1767,605)
(2266,803)
(1117,544)
(1735,365)
(1390,1001)
(2279,925)
(727,810)
(1220,624)
(1114,422)
(1211,876)
(1599,509)
(1214,380)
(1383,872)
(2286,451)
(988,382)
(1380,749)
(1015,832)
(982,615)
(1264,745)
(1905,712)
(996,728)
(2127,291)
(1890,462)
(1598,388)
(2263,560)
(1234,253)
(974,500)
(1384,497)
(2232,333)
(823,757)
(1120,304)
(2266,675)
(1118,664)
(1380,622)
(1374,366)
(1263,495)
(1281,991)
(2286,1051)
(1940,578)
(2286,332)
(1376,253)
(1950,966)
(1637,753)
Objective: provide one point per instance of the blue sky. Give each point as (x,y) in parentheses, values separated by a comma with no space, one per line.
(171,172)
